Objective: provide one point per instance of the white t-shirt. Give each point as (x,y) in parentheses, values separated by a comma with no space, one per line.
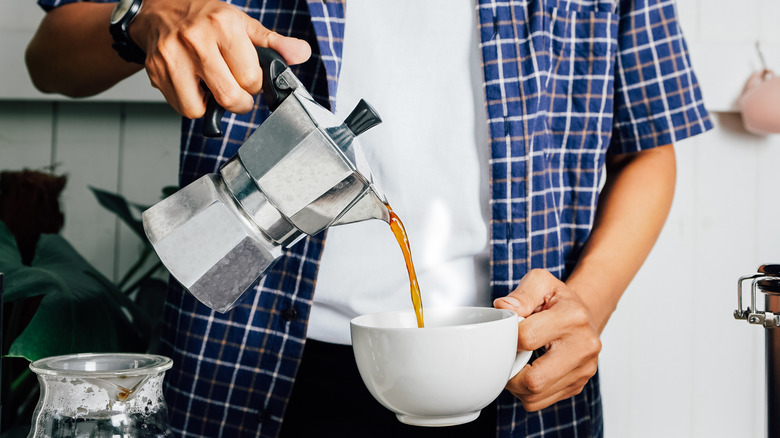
(418,64)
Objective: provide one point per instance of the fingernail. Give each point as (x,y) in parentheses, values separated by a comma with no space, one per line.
(511,301)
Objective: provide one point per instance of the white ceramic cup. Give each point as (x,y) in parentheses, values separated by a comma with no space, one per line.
(443,374)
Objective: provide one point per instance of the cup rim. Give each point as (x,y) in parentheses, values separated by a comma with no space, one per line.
(359,321)
(49,365)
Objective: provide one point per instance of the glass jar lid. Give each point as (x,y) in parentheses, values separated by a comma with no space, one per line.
(102,365)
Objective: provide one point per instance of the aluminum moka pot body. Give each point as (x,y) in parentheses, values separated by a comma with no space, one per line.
(299,173)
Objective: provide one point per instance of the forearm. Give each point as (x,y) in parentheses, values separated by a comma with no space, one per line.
(71,52)
(632,210)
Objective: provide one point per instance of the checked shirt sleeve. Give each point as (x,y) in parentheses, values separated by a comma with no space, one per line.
(657,96)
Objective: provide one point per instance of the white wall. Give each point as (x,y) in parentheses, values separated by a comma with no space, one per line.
(125,148)
(675,363)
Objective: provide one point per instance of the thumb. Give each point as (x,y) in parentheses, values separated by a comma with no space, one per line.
(531,293)
(293,50)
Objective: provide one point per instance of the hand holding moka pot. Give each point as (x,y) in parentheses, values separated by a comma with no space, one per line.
(299,173)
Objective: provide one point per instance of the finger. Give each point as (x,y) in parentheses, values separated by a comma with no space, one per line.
(563,389)
(180,87)
(191,99)
(186,90)
(552,373)
(563,317)
(532,291)
(219,79)
(241,58)
(541,376)
(533,404)
(293,50)
(171,69)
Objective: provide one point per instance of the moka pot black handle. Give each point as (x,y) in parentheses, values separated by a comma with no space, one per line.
(273,65)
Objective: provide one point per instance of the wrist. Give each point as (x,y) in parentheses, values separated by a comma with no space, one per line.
(121,18)
(597,297)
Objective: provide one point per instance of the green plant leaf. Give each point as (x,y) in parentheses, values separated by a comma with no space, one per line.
(9,252)
(151,298)
(86,314)
(139,320)
(168,191)
(21,281)
(27,282)
(118,205)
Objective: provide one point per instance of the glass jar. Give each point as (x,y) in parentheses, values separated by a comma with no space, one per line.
(96,395)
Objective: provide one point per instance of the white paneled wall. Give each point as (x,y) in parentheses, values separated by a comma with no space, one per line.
(124,148)
(675,363)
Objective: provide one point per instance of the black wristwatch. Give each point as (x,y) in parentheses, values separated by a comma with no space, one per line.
(123,15)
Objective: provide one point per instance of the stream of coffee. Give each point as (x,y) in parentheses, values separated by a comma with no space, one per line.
(403,241)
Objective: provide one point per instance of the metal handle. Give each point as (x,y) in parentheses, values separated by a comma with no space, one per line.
(766,279)
(273,66)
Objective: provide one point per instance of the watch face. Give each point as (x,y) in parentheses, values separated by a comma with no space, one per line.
(121,9)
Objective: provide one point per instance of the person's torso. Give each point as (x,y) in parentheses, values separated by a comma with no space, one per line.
(421,71)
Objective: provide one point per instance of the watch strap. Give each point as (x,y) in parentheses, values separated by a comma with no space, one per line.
(123,44)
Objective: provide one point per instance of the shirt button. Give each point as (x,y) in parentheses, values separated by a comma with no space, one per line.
(263,416)
(289,314)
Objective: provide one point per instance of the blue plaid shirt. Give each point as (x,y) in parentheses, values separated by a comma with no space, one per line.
(566,83)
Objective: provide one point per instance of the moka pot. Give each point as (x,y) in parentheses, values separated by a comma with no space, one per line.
(299,173)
